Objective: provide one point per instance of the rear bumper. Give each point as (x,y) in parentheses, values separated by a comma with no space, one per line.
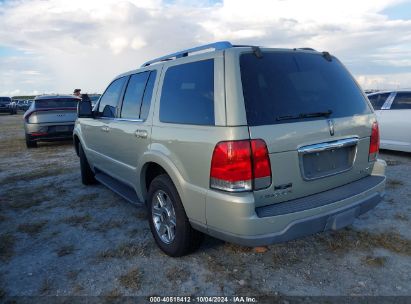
(334,220)
(49,132)
(51,137)
(240,222)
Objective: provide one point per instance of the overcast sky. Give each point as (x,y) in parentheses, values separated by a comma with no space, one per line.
(55,46)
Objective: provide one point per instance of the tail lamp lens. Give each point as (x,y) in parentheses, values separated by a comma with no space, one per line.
(374,142)
(238,165)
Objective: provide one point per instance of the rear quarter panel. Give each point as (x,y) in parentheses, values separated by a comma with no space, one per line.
(187,150)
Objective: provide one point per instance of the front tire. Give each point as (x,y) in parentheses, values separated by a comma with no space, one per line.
(168,221)
(87,175)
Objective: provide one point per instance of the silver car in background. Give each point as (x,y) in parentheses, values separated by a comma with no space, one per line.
(50,118)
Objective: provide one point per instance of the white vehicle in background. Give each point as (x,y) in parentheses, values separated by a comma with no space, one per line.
(393,110)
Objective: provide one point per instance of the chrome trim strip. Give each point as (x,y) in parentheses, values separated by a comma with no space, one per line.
(347,142)
(120,119)
(126,119)
(328,145)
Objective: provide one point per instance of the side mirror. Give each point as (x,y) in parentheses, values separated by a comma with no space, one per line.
(84,109)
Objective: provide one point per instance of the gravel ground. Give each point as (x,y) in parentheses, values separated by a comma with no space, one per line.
(58,237)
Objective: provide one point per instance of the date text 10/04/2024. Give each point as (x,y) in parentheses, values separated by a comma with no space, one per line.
(191,299)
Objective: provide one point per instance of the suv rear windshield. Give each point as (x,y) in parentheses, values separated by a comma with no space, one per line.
(289,86)
(56,103)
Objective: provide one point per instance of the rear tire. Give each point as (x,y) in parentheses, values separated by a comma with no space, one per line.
(30,143)
(87,175)
(185,239)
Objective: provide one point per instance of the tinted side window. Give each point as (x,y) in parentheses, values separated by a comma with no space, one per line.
(402,101)
(378,100)
(134,95)
(188,94)
(109,100)
(148,93)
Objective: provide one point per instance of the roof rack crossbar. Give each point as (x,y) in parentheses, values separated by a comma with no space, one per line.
(221,45)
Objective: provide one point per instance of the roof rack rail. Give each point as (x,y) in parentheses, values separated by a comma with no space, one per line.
(305,49)
(221,45)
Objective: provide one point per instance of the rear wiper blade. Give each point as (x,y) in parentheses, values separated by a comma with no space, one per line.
(316,114)
(305,115)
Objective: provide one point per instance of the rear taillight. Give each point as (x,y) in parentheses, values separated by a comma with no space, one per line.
(38,133)
(374,142)
(27,116)
(241,165)
(231,166)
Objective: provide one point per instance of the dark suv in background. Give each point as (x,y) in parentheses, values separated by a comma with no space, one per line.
(7,105)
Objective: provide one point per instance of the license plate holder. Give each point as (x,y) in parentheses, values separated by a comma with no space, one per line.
(326,159)
(62,128)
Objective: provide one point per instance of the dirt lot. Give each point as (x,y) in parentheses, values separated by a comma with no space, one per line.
(58,237)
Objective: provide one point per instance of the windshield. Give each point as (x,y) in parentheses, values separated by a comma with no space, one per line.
(5,100)
(282,87)
(56,103)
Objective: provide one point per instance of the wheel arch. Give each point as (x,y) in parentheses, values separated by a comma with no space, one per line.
(192,197)
(156,165)
(76,142)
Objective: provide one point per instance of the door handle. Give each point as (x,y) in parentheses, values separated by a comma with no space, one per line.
(141,133)
(105,129)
